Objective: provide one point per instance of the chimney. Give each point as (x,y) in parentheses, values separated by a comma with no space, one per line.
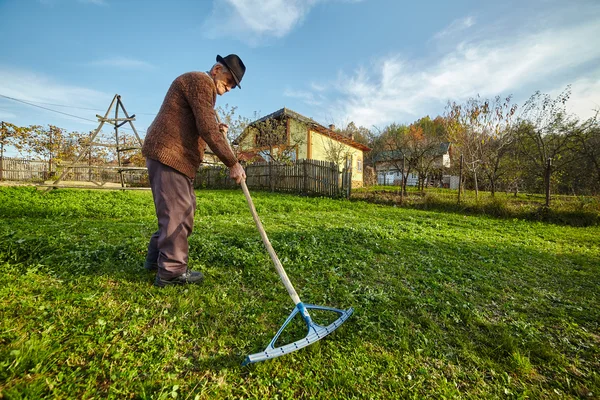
(332,127)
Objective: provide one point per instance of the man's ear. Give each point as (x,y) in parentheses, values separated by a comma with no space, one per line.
(214,70)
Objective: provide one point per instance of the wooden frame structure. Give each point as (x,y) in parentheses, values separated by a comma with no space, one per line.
(117,122)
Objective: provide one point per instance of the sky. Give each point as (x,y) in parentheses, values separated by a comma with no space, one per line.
(373,62)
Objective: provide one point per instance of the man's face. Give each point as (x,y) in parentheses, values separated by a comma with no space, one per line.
(223,81)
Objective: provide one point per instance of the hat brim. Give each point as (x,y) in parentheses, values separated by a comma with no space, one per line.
(222,61)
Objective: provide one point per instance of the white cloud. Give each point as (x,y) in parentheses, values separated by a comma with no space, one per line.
(307,97)
(585,96)
(402,90)
(38,88)
(7,115)
(251,20)
(95,2)
(456,26)
(254,20)
(121,62)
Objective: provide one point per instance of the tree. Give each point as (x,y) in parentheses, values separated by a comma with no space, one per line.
(47,143)
(482,130)
(546,135)
(237,125)
(337,151)
(394,151)
(588,140)
(271,136)
(424,143)
(11,135)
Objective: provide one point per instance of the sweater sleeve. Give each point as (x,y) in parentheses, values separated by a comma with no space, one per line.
(200,93)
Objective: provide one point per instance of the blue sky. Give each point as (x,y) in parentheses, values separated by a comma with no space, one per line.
(373,62)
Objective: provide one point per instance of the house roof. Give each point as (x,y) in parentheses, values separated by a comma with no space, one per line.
(398,154)
(312,124)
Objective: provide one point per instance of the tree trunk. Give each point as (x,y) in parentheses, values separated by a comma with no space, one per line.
(476,186)
(547,180)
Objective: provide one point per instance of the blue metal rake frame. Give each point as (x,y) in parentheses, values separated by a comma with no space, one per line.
(315,331)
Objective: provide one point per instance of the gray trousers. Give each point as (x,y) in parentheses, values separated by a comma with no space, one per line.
(175,203)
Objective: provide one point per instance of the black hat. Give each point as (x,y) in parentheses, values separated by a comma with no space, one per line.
(235,65)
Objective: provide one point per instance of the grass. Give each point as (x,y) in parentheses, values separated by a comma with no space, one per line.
(563,210)
(446,305)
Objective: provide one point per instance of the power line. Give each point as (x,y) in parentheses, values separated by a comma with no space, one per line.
(46,108)
(56,111)
(63,105)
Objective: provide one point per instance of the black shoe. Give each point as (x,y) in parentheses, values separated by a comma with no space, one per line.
(150,266)
(187,277)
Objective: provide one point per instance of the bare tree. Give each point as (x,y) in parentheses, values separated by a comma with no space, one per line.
(546,135)
(588,138)
(237,125)
(336,151)
(482,130)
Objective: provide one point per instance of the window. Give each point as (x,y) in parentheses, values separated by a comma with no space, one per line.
(359,165)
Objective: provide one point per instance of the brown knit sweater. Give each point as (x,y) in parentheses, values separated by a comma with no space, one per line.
(184,125)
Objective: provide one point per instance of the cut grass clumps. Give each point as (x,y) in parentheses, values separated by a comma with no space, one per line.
(448,303)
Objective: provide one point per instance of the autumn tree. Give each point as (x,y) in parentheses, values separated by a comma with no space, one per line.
(14,136)
(482,130)
(47,143)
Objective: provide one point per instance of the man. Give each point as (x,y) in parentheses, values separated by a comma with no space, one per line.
(174,148)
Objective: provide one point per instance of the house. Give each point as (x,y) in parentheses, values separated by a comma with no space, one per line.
(298,137)
(388,166)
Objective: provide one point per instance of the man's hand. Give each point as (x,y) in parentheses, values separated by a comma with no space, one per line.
(237,173)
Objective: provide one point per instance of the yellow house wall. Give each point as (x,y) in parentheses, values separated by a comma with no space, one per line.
(312,145)
(319,144)
(247,142)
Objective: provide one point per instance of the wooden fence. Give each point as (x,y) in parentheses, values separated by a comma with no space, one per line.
(17,169)
(311,177)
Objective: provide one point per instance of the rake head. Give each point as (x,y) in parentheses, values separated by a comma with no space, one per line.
(315,332)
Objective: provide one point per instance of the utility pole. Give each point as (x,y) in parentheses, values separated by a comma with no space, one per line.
(50,149)
(2,137)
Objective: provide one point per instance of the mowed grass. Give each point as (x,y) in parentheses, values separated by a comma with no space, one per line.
(446,305)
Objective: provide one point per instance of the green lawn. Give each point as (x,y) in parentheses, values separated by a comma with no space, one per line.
(446,305)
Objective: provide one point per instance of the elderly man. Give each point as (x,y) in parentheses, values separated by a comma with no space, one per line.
(174,148)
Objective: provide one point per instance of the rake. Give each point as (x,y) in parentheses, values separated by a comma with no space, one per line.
(315,331)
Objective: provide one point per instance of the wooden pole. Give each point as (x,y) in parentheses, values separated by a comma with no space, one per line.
(2,137)
(460,177)
(548,174)
(403,183)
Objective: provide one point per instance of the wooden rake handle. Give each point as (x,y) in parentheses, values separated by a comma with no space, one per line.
(267,243)
(265,239)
